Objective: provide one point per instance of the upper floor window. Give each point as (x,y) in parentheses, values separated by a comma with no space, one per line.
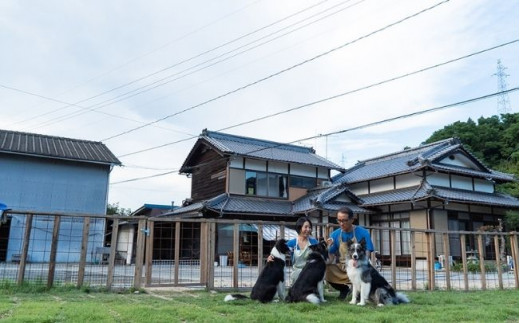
(303,182)
(266,184)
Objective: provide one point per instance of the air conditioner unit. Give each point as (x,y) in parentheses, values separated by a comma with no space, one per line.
(326,183)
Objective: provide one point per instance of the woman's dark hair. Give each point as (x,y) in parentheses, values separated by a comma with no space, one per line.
(301,221)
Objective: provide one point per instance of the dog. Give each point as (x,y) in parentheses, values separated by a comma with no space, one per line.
(272,278)
(367,282)
(309,284)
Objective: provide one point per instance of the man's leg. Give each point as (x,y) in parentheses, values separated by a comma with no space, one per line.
(343,290)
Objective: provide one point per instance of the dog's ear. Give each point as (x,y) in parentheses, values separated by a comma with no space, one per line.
(363,242)
(350,242)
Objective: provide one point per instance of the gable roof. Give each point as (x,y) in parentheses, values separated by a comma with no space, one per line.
(30,144)
(422,157)
(228,145)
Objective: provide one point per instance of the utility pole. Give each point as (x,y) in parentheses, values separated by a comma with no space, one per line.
(503,104)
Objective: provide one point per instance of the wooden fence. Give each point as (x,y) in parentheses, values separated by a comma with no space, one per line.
(138,252)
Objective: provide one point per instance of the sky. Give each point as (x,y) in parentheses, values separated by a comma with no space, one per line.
(146,77)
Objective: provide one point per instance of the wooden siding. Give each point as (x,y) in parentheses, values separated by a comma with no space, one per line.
(204,183)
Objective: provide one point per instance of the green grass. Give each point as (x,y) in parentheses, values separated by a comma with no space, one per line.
(67,304)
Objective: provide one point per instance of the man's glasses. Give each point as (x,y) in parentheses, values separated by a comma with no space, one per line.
(343,221)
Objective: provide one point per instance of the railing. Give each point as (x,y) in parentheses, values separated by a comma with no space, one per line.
(122,252)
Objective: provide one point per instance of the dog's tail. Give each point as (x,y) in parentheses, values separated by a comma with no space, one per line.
(234,297)
(401,298)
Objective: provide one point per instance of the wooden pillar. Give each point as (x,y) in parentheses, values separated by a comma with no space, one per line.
(464,260)
(83,252)
(177,252)
(260,251)
(513,237)
(210,285)
(54,248)
(25,248)
(139,254)
(113,250)
(498,262)
(481,262)
(430,240)
(447,264)
(236,255)
(413,260)
(203,257)
(149,253)
(393,257)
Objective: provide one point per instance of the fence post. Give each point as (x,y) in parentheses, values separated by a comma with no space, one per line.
(393,257)
(447,263)
(203,257)
(236,254)
(177,252)
(25,248)
(464,260)
(498,262)
(83,252)
(413,260)
(211,255)
(139,254)
(149,253)
(260,251)
(430,240)
(112,256)
(54,247)
(514,253)
(481,261)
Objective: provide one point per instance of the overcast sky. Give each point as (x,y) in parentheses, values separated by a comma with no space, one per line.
(145,76)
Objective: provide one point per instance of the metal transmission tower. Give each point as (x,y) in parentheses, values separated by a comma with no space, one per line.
(503,104)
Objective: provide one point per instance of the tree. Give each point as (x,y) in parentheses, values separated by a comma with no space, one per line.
(114,209)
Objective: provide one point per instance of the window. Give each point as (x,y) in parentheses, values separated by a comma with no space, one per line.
(303,182)
(382,238)
(266,184)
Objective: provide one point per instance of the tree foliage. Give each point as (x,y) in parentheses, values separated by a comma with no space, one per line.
(114,209)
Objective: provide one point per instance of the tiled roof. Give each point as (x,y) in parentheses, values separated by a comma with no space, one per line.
(230,204)
(425,191)
(324,199)
(22,143)
(262,149)
(411,160)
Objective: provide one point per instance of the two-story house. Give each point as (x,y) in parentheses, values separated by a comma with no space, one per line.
(439,186)
(237,177)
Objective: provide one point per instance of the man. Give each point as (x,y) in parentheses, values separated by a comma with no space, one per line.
(336,274)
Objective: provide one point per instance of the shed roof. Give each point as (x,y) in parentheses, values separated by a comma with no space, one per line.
(228,145)
(30,144)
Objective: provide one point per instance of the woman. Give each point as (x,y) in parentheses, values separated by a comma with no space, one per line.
(299,246)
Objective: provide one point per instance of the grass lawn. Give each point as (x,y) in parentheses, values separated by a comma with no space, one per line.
(72,305)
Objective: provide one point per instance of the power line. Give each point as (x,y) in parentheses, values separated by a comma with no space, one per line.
(63,102)
(140,57)
(90,108)
(193,69)
(334,96)
(280,72)
(367,125)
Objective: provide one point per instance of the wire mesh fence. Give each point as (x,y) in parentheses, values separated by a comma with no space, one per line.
(55,249)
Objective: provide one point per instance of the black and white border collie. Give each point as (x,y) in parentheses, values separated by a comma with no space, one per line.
(271,279)
(309,284)
(367,282)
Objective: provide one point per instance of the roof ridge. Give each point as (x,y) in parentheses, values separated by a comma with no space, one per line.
(261,142)
(48,136)
(406,151)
